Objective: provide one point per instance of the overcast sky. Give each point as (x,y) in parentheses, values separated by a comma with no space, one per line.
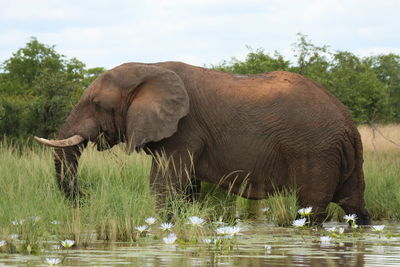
(108,33)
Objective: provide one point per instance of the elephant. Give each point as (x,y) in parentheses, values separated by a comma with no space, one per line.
(251,134)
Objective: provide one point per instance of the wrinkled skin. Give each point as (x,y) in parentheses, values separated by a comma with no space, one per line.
(250,134)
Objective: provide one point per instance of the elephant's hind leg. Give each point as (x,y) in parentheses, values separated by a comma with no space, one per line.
(316,181)
(350,196)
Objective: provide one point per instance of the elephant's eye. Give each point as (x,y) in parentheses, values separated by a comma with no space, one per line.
(96,105)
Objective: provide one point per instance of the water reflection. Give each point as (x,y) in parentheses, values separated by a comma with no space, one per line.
(287,249)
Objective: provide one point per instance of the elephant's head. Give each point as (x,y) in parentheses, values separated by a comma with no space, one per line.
(133,103)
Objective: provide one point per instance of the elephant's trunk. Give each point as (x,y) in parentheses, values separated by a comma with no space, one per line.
(66,156)
(66,163)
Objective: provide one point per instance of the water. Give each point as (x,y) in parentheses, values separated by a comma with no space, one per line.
(288,248)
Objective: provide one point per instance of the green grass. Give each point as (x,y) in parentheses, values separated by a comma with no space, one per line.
(382,178)
(119,199)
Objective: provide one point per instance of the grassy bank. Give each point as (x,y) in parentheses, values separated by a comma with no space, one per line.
(119,199)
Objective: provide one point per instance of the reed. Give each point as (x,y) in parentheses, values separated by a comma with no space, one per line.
(119,199)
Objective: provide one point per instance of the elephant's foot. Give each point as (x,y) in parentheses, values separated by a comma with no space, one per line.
(363,217)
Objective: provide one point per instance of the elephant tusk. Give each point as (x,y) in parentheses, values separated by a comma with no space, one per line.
(72,141)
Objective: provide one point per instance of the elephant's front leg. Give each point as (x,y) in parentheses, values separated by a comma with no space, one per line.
(172,179)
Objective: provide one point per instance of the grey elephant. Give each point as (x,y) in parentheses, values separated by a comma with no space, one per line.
(252,134)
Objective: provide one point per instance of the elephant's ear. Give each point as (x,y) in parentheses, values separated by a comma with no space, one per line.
(157,105)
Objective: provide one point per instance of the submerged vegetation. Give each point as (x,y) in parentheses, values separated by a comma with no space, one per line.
(119,207)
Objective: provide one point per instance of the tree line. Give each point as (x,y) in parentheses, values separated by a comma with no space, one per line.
(38,86)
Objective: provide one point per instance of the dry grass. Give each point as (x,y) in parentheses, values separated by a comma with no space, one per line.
(380,138)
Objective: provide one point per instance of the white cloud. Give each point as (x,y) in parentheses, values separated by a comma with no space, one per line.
(104,33)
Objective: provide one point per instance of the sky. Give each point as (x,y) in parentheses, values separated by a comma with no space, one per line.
(199,32)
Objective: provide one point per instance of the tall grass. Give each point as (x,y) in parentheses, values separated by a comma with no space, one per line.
(119,199)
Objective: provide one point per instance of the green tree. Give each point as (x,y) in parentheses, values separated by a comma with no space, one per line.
(355,83)
(38,88)
(387,69)
(256,62)
(312,61)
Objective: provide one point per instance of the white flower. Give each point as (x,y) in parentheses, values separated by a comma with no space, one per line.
(13,236)
(267,247)
(325,239)
(2,243)
(170,239)
(150,220)
(55,222)
(166,226)
(378,228)
(265,209)
(194,220)
(305,211)
(341,230)
(35,218)
(228,230)
(141,228)
(207,240)
(354,226)
(67,243)
(350,217)
(53,261)
(18,222)
(299,222)
(331,229)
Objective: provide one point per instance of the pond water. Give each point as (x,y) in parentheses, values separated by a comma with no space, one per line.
(288,247)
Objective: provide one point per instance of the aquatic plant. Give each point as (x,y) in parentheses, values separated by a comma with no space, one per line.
(166,226)
(53,261)
(150,220)
(325,239)
(378,228)
(350,218)
(196,221)
(67,243)
(305,212)
(299,222)
(142,228)
(228,230)
(207,240)
(331,229)
(170,239)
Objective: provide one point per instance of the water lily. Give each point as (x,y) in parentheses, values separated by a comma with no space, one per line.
(331,229)
(2,243)
(35,218)
(67,243)
(141,228)
(378,228)
(299,222)
(207,240)
(325,239)
(350,218)
(228,230)
(166,226)
(170,239)
(265,209)
(150,220)
(53,261)
(197,221)
(305,211)
(14,236)
(18,222)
